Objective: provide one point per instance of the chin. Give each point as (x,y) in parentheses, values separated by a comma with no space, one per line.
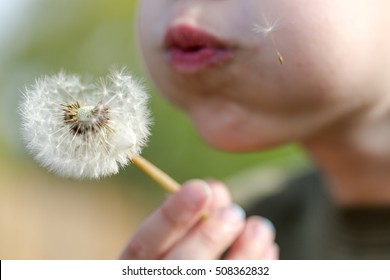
(229,141)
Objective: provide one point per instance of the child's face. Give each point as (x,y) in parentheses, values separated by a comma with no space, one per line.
(220,60)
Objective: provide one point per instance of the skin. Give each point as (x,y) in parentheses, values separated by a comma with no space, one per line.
(330,95)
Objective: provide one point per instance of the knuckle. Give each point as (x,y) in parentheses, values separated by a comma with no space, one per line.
(171,219)
(210,238)
(136,249)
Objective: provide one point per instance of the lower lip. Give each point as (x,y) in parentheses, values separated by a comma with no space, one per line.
(195,61)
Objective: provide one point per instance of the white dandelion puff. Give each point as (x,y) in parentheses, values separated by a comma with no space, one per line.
(83,130)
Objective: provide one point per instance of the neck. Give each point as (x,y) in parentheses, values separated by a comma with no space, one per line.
(355,158)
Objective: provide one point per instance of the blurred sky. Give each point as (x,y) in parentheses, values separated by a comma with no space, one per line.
(9,11)
(11,14)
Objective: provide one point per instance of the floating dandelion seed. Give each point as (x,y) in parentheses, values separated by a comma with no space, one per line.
(89,130)
(266,30)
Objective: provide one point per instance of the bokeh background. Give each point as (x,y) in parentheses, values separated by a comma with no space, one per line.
(46,217)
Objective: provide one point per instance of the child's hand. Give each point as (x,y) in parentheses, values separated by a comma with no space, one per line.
(176,230)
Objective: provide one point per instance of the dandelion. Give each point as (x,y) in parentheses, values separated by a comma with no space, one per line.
(86,130)
(267,30)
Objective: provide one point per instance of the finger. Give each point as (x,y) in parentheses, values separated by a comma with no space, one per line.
(210,238)
(255,242)
(273,253)
(220,195)
(170,222)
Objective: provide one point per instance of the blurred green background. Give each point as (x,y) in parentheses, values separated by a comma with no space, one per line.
(46,217)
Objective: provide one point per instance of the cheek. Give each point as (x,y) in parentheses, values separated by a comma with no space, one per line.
(151,21)
(324,44)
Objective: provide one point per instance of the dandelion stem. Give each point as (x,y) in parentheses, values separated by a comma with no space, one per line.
(156,174)
(160,177)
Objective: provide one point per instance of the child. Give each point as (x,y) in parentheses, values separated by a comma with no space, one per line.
(255,74)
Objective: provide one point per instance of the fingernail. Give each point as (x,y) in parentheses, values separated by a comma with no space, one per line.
(233,214)
(197,191)
(269,224)
(259,225)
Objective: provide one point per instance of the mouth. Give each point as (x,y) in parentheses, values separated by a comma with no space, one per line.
(190,50)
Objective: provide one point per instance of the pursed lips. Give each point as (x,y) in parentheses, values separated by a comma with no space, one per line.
(190,49)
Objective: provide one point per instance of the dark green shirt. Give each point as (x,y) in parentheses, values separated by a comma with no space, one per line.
(309,226)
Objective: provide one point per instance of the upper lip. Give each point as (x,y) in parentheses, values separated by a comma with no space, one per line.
(191,38)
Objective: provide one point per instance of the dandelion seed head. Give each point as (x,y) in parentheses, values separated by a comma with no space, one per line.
(85,130)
